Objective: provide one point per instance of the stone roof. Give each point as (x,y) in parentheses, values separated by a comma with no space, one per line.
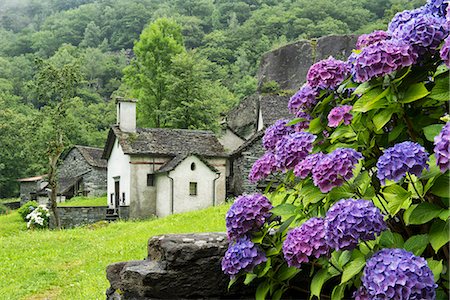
(273,108)
(32,179)
(257,137)
(172,164)
(92,155)
(165,141)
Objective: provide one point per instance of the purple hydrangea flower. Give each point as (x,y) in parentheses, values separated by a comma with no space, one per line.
(339,114)
(304,99)
(263,167)
(365,40)
(398,274)
(304,242)
(328,73)
(360,294)
(275,132)
(403,17)
(334,168)
(437,7)
(445,53)
(248,213)
(424,32)
(293,148)
(382,58)
(403,157)
(304,168)
(242,256)
(442,148)
(304,124)
(350,221)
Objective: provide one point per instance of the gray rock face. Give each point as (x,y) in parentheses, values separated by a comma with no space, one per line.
(178,266)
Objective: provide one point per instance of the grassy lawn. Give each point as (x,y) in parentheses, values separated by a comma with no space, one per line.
(70,264)
(85,201)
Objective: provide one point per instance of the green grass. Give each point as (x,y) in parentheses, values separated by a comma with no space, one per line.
(85,201)
(70,264)
(9,200)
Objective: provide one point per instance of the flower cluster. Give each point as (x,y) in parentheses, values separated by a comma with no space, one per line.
(397,274)
(304,124)
(304,99)
(424,32)
(365,40)
(339,114)
(327,73)
(248,213)
(437,7)
(293,148)
(304,168)
(334,168)
(38,218)
(275,132)
(242,256)
(382,58)
(350,221)
(304,242)
(403,17)
(402,158)
(442,148)
(445,53)
(263,167)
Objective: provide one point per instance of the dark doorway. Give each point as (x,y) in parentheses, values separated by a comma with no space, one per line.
(117,195)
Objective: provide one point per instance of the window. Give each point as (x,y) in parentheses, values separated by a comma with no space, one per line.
(123,198)
(111,198)
(192,188)
(150,179)
(193,166)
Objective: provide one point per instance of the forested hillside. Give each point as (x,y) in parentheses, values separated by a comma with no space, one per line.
(219,48)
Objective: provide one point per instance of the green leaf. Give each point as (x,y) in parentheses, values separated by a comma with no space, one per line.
(436,267)
(262,290)
(417,244)
(445,215)
(415,92)
(285,224)
(315,126)
(440,187)
(440,91)
(423,213)
(232,281)
(278,294)
(294,121)
(249,278)
(266,268)
(353,268)
(338,292)
(397,198)
(362,88)
(311,194)
(318,281)
(432,130)
(286,273)
(342,192)
(344,258)
(381,118)
(285,209)
(371,100)
(441,70)
(390,239)
(439,234)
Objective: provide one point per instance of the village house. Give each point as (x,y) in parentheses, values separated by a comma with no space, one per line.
(30,186)
(158,171)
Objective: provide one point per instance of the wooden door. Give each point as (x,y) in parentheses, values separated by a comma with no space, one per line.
(117,195)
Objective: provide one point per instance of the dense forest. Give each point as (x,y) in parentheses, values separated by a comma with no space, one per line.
(213,58)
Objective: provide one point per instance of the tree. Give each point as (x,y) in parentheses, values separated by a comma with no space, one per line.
(148,74)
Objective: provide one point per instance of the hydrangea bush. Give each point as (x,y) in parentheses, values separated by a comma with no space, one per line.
(363,209)
(39,218)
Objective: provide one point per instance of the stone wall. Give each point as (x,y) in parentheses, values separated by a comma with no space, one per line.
(183,266)
(26,188)
(12,205)
(73,216)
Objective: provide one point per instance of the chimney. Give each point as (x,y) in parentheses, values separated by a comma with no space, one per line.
(126,114)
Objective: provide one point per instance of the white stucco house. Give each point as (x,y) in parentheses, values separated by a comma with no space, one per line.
(158,171)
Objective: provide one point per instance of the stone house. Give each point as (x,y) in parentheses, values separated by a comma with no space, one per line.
(157,171)
(30,186)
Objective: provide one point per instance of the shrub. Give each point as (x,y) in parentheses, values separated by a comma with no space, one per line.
(4,209)
(39,218)
(365,210)
(270,87)
(26,209)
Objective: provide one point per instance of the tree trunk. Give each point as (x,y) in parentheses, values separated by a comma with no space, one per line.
(53,183)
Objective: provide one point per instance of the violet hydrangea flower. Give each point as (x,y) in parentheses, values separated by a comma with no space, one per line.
(424,32)
(445,53)
(437,7)
(442,148)
(304,99)
(304,242)
(242,256)
(293,148)
(275,132)
(398,274)
(327,73)
(403,17)
(304,168)
(339,114)
(248,213)
(334,168)
(304,124)
(350,221)
(402,158)
(360,294)
(382,58)
(365,40)
(263,167)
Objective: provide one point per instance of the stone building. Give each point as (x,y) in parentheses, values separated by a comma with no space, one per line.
(287,66)
(30,186)
(158,171)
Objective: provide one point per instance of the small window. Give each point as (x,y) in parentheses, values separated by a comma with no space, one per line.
(193,188)
(111,197)
(150,179)
(193,166)
(123,198)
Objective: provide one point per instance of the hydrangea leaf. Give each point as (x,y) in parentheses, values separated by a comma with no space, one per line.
(439,234)
(417,244)
(285,209)
(423,213)
(432,130)
(318,281)
(444,215)
(436,267)
(262,290)
(338,292)
(249,277)
(389,239)
(286,273)
(353,268)
(440,91)
(440,187)
(415,92)
(381,118)
(397,198)
(371,100)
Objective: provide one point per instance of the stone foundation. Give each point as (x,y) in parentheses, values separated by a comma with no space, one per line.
(73,216)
